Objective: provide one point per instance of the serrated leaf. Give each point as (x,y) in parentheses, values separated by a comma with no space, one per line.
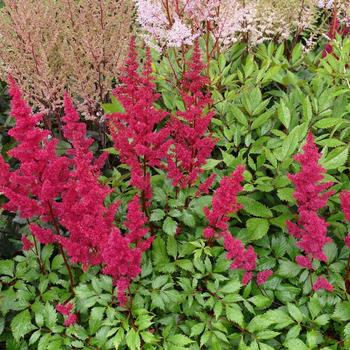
(197,329)
(295,312)
(21,324)
(133,340)
(171,246)
(234,314)
(257,228)
(284,114)
(170,226)
(254,207)
(342,311)
(328,122)
(180,339)
(288,269)
(157,215)
(7,267)
(293,344)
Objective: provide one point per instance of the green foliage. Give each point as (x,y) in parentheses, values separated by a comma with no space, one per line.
(186,296)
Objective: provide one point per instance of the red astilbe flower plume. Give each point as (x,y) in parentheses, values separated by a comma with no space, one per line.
(345,205)
(63,193)
(122,254)
(311,195)
(82,211)
(41,175)
(224,202)
(322,283)
(191,145)
(134,132)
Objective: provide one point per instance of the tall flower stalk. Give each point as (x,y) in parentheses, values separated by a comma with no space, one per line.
(311,195)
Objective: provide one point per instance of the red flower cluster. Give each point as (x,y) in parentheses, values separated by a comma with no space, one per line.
(123,253)
(66,310)
(190,146)
(311,195)
(322,283)
(224,202)
(41,176)
(334,29)
(134,132)
(345,205)
(63,194)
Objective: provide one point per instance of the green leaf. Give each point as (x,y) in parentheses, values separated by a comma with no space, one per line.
(314,306)
(133,340)
(171,246)
(254,207)
(197,329)
(284,114)
(114,107)
(170,226)
(180,339)
(342,311)
(294,344)
(334,161)
(262,119)
(288,269)
(234,314)
(328,123)
(21,325)
(50,315)
(188,219)
(157,215)
(185,264)
(295,312)
(211,164)
(261,301)
(267,335)
(7,267)
(231,287)
(257,228)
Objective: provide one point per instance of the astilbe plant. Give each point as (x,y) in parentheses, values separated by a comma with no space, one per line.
(311,195)
(224,202)
(61,197)
(191,145)
(135,135)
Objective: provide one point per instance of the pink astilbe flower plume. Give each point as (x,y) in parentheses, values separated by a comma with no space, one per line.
(66,310)
(134,132)
(224,202)
(26,243)
(81,209)
(311,196)
(322,283)
(41,175)
(123,253)
(191,145)
(64,197)
(345,204)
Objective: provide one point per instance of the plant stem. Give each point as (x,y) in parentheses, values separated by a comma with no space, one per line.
(61,249)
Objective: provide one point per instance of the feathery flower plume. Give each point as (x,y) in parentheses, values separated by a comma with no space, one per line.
(134,132)
(322,283)
(191,146)
(311,196)
(63,194)
(224,202)
(345,205)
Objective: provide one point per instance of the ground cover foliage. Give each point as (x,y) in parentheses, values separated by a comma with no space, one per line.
(186,217)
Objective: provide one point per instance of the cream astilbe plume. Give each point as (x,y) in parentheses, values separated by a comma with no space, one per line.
(49,46)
